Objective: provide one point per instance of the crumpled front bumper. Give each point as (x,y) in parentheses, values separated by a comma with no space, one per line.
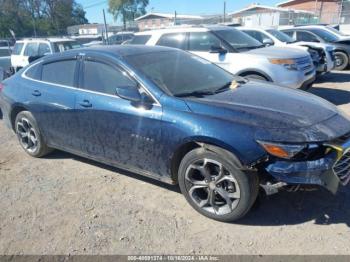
(314,172)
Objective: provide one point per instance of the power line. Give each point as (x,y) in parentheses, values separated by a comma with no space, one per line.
(95,4)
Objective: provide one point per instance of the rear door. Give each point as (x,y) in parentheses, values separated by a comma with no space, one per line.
(113,129)
(16,56)
(53,101)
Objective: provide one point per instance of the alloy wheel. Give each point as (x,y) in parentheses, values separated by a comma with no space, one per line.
(212,187)
(27,135)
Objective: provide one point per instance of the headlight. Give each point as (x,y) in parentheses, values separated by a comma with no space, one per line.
(287,63)
(281,150)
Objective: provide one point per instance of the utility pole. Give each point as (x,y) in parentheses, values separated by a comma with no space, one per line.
(340,11)
(224,11)
(175,18)
(106,31)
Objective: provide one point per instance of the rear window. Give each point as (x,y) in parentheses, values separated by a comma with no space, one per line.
(66,45)
(61,72)
(140,40)
(17,48)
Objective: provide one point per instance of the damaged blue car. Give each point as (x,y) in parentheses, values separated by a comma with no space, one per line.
(175,117)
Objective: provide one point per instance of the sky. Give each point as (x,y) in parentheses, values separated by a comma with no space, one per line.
(94,8)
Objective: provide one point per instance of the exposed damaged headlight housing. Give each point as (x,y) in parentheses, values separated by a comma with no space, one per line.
(282,150)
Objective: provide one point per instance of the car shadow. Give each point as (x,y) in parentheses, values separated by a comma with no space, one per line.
(335,96)
(280,209)
(334,77)
(57,154)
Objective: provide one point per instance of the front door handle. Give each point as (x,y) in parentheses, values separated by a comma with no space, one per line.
(36,93)
(85,103)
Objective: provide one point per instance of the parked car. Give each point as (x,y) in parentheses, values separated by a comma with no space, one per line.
(176,117)
(321,54)
(239,53)
(27,50)
(5,57)
(120,37)
(319,34)
(88,40)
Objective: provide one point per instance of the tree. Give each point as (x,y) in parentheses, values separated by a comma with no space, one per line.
(128,10)
(39,17)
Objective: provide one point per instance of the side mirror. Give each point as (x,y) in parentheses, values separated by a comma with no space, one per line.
(267,41)
(129,93)
(218,50)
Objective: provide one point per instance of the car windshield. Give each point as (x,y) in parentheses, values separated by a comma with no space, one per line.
(180,73)
(280,36)
(66,45)
(325,35)
(4,44)
(238,39)
(337,32)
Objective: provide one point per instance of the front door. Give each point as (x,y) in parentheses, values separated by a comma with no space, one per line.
(202,43)
(112,129)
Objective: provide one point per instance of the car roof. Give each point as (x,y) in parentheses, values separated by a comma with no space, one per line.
(51,39)
(118,51)
(262,28)
(178,29)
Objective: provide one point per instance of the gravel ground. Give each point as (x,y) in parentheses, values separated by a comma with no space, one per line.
(65,204)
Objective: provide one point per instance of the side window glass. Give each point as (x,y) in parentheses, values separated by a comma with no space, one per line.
(177,40)
(17,48)
(44,49)
(289,33)
(203,41)
(61,72)
(255,34)
(103,78)
(31,49)
(307,37)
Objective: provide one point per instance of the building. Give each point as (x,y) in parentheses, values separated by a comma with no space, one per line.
(161,20)
(261,15)
(327,11)
(86,29)
(97,29)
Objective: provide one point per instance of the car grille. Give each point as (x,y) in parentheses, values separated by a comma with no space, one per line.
(342,168)
(304,63)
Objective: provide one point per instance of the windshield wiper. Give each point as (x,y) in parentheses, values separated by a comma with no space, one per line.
(228,84)
(196,93)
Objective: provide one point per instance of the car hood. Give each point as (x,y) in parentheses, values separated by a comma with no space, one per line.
(268,107)
(279,52)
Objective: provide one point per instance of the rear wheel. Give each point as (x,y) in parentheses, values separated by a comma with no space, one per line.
(341,60)
(215,185)
(29,135)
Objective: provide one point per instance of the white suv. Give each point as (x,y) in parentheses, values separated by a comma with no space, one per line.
(322,54)
(238,53)
(27,50)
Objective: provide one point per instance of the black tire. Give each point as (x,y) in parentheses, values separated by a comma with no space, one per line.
(239,187)
(256,77)
(341,60)
(29,135)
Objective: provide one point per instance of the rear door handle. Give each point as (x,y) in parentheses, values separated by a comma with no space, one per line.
(36,93)
(85,103)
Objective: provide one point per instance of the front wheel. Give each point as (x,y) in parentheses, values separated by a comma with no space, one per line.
(215,185)
(341,61)
(29,135)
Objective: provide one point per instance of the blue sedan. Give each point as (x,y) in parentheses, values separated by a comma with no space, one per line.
(172,116)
